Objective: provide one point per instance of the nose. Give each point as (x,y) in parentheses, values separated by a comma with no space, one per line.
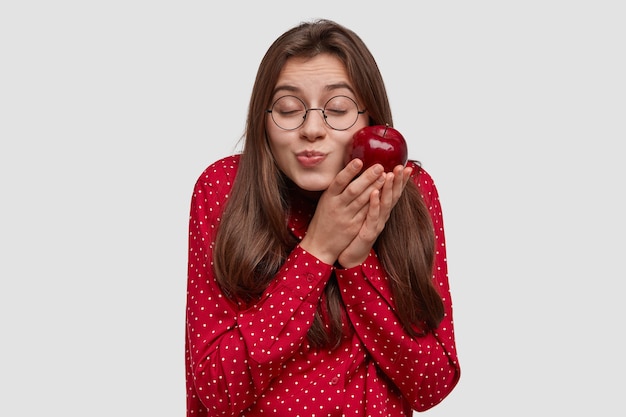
(314,127)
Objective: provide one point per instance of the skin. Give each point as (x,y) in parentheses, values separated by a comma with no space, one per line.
(352,211)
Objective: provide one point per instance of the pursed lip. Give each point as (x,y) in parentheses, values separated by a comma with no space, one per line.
(310,158)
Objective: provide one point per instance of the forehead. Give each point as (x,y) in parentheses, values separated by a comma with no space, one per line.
(316,75)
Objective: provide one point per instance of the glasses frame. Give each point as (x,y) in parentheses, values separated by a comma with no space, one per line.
(322,109)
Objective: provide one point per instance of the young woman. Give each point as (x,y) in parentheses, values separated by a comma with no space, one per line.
(315,288)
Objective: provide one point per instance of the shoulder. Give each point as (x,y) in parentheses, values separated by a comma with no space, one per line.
(424,181)
(220,174)
(221,169)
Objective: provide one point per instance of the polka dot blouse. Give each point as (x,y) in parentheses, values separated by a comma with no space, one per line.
(258,361)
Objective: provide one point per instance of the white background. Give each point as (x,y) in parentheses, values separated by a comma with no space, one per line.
(109,111)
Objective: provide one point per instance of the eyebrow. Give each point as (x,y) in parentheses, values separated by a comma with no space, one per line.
(328,88)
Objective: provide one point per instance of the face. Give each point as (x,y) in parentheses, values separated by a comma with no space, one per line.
(313,154)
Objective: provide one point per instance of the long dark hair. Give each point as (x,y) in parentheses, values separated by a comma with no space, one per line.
(253,239)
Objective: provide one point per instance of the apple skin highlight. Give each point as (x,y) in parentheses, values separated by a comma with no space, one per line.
(380,144)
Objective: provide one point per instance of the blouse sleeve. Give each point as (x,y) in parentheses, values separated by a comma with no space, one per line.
(233,354)
(425,368)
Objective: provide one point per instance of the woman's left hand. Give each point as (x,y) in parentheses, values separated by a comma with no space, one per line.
(380,205)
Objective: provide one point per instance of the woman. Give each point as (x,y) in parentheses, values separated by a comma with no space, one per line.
(315,288)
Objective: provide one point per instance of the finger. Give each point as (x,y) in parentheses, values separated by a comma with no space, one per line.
(345,176)
(389,190)
(394,186)
(373,224)
(373,173)
(407,173)
(360,189)
(369,176)
(403,173)
(364,197)
(402,177)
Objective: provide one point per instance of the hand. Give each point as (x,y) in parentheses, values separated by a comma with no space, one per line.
(379,209)
(342,210)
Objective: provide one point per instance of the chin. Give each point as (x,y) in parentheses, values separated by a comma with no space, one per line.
(314,189)
(313,186)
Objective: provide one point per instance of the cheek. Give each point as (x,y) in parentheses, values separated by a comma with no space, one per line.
(347,155)
(279,146)
(348,143)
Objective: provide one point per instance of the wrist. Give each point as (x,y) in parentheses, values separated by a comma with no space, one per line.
(346,262)
(321,252)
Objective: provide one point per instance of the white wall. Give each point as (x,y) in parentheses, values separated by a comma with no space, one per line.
(110,110)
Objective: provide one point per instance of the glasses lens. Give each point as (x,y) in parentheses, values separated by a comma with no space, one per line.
(341,112)
(288,112)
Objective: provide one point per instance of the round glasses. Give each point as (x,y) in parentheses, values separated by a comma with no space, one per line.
(340,112)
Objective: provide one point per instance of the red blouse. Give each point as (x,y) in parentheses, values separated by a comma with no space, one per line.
(257,361)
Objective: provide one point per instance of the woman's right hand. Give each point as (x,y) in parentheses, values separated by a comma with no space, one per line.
(342,210)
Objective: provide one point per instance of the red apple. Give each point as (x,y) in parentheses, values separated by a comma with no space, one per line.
(379,144)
